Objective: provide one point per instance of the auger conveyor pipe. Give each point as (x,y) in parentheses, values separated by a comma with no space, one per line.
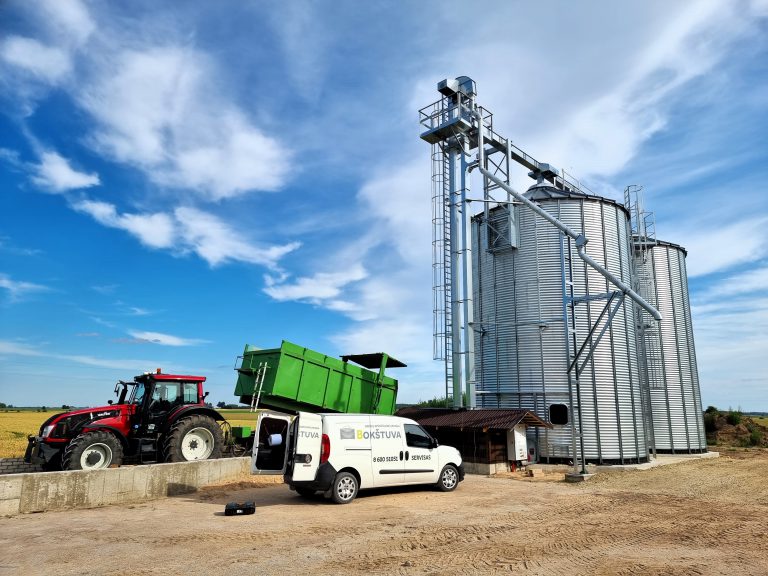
(580,239)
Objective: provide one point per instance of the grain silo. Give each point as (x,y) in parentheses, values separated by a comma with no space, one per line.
(668,349)
(537,303)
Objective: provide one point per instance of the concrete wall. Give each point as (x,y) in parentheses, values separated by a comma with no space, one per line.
(42,491)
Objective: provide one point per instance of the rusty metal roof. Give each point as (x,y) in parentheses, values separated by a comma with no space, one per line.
(498,419)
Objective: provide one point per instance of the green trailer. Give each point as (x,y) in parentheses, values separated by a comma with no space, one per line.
(293,378)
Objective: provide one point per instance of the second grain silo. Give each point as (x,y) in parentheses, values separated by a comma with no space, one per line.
(538,307)
(677,424)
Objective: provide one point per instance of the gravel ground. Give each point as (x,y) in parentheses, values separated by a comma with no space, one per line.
(697,517)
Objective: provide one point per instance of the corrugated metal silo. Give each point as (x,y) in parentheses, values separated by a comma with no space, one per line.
(520,343)
(668,346)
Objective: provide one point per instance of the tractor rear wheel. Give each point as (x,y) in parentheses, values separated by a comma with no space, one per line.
(92,451)
(196,437)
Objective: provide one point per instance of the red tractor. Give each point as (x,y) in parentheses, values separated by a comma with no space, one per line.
(158,417)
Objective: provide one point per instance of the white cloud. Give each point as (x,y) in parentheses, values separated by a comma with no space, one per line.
(323,287)
(743,283)
(55,173)
(158,109)
(713,246)
(304,44)
(731,341)
(187,230)
(154,230)
(217,243)
(70,20)
(65,27)
(136,311)
(165,339)
(19,289)
(46,62)
(9,348)
(105,288)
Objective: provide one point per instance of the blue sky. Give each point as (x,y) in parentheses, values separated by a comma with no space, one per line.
(179,179)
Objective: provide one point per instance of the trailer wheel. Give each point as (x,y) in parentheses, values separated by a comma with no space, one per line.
(449,478)
(92,451)
(197,437)
(344,488)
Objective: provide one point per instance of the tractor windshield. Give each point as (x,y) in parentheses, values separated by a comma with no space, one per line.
(137,396)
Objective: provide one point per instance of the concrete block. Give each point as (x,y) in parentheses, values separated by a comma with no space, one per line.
(214,471)
(111,482)
(80,489)
(97,492)
(10,487)
(140,489)
(34,492)
(203,474)
(9,507)
(125,482)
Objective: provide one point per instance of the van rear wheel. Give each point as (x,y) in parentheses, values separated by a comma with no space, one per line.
(344,488)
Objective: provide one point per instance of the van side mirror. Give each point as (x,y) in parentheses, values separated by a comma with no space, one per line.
(434,443)
(110,402)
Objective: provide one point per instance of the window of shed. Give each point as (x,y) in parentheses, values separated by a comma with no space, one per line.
(558,414)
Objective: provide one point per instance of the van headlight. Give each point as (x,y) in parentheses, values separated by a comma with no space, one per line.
(47,430)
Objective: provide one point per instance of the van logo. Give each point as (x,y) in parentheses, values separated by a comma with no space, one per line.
(347,433)
(307,434)
(377,434)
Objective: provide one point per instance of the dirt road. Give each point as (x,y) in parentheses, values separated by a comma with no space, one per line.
(699,517)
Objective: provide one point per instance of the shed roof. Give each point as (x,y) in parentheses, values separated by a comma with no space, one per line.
(498,419)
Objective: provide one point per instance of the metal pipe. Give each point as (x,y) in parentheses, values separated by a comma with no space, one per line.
(455,265)
(468,305)
(580,239)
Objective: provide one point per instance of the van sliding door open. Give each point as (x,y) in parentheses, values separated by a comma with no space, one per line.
(270,446)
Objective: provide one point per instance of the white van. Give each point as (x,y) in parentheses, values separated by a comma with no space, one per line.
(340,454)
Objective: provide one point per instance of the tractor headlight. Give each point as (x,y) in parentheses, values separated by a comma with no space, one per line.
(47,430)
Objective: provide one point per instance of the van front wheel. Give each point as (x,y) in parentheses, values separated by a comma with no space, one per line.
(344,488)
(449,478)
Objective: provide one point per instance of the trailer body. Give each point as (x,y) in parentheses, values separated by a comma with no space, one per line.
(293,378)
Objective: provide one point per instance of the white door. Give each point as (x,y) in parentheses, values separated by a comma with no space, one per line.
(270,445)
(305,456)
(421,464)
(387,451)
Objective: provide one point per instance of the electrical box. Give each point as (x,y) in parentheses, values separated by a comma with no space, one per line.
(517,444)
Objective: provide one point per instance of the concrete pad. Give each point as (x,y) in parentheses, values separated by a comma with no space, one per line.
(574,477)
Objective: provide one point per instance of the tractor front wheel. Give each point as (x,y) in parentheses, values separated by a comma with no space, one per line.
(92,451)
(197,437)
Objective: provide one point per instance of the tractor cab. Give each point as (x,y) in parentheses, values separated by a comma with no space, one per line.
(157,398)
